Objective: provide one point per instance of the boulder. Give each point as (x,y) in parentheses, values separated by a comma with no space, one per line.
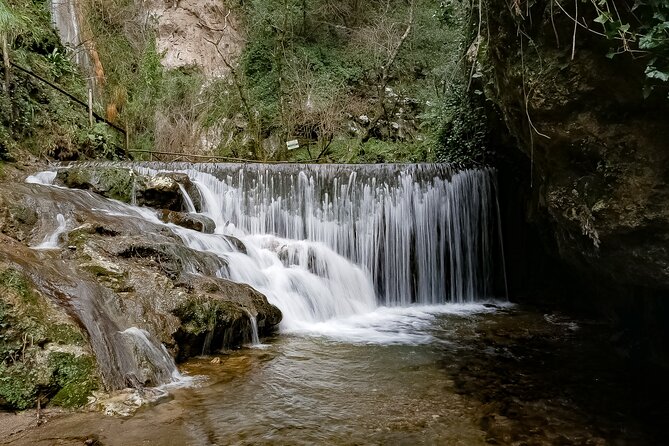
(196,222)
(160,191)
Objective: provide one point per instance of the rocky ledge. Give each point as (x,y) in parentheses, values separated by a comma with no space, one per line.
(63,310)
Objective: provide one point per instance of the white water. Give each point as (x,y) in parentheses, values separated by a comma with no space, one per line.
(47,177)
(155,355)
(255,338)
(190,207)
(329,244)
(423,234)
(65,19)
(51,240)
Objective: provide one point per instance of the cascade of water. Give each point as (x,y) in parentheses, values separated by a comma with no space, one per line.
(190,206)
(156,360)
(255,338)
(51,240)
(326,242)
(422,233)
(65,20)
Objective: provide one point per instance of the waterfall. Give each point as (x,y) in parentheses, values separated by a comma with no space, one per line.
(51,240)
(422,234)
(255,338)
(328,243)
(64,15)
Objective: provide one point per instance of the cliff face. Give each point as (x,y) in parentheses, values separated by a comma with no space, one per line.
(600,174)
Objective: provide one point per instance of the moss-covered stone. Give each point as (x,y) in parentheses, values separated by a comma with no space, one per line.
(18,386)
(66,334)
(76,377)
(42,351)
(112,182)
(160,191)
(209,324)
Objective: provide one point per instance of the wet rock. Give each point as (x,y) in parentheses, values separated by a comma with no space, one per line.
(17,219)
(137,275)
(127,402)
(161,191)
(117,183)
(236,243)
(600,172)
(217,316)
(43,353)
(196,222)
(166,253)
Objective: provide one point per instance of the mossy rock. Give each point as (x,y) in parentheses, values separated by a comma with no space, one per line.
(75,375)
(210,324)
(160,191)
(42,351)
(112,182)
(18,386)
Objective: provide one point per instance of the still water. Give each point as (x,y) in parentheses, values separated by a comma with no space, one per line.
(448,375)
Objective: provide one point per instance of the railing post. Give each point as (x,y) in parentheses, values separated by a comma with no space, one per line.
(90,106)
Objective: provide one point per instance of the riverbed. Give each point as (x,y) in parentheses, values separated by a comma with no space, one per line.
(447,375)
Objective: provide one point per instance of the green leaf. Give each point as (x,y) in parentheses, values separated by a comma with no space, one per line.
(653,73)
(647,42)
(603,18)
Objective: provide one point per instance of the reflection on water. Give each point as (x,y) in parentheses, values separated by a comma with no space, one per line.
(415,376)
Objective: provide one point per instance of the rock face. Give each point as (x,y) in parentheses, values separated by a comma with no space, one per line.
(600,173)
(195,222)
(65,312)
(43,352)
(160,191)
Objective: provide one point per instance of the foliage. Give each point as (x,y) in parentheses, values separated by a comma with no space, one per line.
(308,70)
(644,31)
(101,141)
(29,369)
(75,377)
(462,137)
(310,66)
(34,116)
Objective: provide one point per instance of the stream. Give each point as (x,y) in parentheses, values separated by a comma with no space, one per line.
(393,332)
(448,375)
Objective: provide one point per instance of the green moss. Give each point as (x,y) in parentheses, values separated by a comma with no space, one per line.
(28,370)
(15,281)
(18,386)
(201,314)
(117,182)
(24,214)
(65,334)
(75,375)
(112,182)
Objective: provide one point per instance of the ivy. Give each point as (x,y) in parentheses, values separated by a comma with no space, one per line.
(463,137)
(644,32)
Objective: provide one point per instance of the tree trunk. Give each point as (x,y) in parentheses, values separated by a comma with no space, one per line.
(5,59)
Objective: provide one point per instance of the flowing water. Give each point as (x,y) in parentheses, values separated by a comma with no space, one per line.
(65,18)
(384,275)
(451,375)
(422,233)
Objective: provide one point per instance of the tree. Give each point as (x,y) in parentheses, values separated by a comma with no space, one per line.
(10,23)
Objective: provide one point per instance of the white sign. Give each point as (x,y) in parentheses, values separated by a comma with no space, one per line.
(292,145)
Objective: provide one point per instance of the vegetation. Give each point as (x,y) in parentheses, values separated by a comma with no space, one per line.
(351,81)
(34,116)
(40,358)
